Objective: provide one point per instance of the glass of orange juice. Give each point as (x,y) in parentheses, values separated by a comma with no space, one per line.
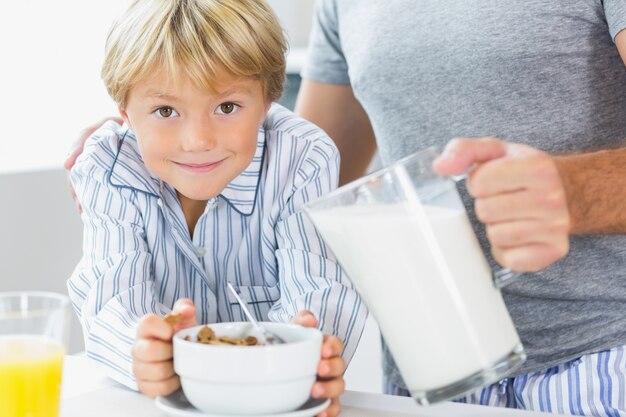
(34,333)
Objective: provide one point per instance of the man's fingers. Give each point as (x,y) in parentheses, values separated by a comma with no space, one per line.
(153,371)
(518,194)
(161,388)
(77,149)
(530,258)
(524,232)
(460,154)
(536,171)
(70,160)
(73,195)
(79,143)
(548,206)
(154,327)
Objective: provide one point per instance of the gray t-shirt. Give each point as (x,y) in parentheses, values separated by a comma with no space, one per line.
(544,73)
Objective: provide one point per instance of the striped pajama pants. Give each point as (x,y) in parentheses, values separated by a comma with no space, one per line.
(592,385)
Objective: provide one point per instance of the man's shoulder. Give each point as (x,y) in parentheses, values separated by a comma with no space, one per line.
(102,147)
(111,155)
(298,149)
(284,129)
(285,122)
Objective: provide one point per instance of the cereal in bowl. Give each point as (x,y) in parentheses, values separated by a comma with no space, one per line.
(207,336)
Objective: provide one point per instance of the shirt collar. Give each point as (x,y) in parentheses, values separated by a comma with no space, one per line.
(129,171)
(241,192)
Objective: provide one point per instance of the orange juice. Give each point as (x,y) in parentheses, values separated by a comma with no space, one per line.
(30,376)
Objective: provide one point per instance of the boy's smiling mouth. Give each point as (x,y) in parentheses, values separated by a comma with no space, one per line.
(201,167)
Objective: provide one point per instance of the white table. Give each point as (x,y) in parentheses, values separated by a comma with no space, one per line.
(86,391)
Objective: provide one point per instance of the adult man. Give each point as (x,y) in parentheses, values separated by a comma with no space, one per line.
(400,76)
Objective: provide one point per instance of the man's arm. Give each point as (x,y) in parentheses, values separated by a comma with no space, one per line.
(620,42)
(335,109)
(594,183)
(77,149)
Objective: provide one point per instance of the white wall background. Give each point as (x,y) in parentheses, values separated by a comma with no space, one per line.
(50,77)
(50,89)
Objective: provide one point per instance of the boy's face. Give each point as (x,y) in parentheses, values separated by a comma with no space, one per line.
(196,141)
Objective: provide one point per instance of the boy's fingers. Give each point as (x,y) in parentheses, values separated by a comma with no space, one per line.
(153,371)
(331,347)
(152,350)
(154,327)
(305,318)
(161,388)
(183,314)
(181,305)
(329,388)
(333,367)
(333,409)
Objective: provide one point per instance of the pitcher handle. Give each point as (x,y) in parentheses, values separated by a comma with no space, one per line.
(502,276)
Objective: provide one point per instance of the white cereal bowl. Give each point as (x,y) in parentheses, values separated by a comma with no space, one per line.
(248,380)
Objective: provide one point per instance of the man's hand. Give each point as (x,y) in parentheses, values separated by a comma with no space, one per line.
(330,383)
(519,196)
(153,359)
(77,148)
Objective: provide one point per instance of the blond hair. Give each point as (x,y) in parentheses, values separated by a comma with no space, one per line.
(196,38)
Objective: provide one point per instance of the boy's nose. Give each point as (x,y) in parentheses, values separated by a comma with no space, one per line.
(199,136)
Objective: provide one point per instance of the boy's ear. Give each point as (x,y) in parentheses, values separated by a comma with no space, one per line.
(124,115)
(265,111)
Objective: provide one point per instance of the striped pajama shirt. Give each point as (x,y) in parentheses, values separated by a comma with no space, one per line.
(592,385)
(139,258)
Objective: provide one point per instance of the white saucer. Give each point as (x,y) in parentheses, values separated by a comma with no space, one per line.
(177,405)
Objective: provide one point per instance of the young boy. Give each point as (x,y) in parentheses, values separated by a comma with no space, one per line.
(202,186)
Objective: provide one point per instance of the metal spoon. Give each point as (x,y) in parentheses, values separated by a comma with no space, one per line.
(270,337)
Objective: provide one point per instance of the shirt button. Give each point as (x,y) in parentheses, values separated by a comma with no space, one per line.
(211,204)
(200,251)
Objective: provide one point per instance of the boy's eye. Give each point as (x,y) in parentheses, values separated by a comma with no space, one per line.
(166,112)
(227,108)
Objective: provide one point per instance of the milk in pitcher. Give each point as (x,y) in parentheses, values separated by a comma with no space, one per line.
(423,275)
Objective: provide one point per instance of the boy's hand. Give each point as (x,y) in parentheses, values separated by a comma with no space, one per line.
(330,383)
(152,353)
